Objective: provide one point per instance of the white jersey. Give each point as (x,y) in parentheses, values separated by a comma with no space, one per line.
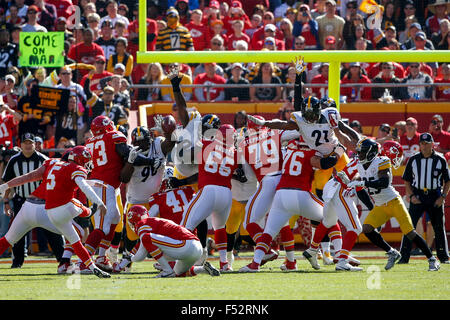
(146,181)
(380,196)
(186,139)
(319,136)
(243,191)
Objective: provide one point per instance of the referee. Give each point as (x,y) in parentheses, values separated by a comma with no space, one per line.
(27,160)
(427,185)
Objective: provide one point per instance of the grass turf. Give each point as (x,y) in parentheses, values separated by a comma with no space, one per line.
(39,281)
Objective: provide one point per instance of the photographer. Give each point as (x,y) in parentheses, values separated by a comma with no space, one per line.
(27,160)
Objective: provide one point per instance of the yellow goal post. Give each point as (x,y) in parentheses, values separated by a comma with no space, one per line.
(334,58)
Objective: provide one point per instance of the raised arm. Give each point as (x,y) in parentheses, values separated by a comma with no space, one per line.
(180,101)
(274,124)
(34,175)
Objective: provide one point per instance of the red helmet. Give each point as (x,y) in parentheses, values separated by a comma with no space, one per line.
(394,151)
(101,125)
(81,156)
(136,214)
(226,133)
(254,126)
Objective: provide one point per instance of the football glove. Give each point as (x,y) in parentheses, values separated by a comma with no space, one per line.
(300,65)
(356,183)
(255,120)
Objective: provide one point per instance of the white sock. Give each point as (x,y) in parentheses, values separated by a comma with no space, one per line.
(337,244)
(290,255)
(230,258)
(164,264)
(67,254)
(223,256)
(325,246)
(101,252)
(258,256)
(199,269)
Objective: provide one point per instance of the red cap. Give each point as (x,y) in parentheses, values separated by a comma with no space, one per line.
(214,4)
(236,4)
(33,7)
(411,119)
(330,40)
(100,57)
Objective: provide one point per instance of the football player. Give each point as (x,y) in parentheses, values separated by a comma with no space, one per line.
(375,174)
(292,197)
(161,237)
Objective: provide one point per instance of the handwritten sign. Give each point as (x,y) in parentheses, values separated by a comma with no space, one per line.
(41,49)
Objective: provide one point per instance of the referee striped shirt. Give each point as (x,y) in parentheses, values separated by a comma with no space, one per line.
(427,174)
(174,39)
(19,165)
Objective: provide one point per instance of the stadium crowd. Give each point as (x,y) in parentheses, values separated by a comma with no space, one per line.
(100,66)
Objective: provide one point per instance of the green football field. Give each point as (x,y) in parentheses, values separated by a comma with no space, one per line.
(37,280)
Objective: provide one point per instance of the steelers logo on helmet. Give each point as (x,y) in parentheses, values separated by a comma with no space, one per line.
(141,137)
(327,102)
(311,109)
(210,125)
(367,150)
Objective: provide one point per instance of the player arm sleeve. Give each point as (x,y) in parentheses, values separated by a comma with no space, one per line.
(154,211)
(363,195)
(87,190)
(34,175)
(141,253)
(381,183)
(123,150)
(298,97)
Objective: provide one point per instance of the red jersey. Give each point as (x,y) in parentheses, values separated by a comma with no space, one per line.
(39,192)
(172,203)
(320,92)
(374,69)
(350,169)
(442,92)
(217,165)
(297,171)
(442,139)
(259,36)
(203,78)
(95,81)
(106,161)
(262,151)
(60,184)
(7,124)
(232,39)
(164,227)
(365,93)
(200,35)
(152,28)
(410,146)
(83,53)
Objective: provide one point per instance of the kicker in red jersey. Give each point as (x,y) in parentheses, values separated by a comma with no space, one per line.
(106,161)
(60,183)
(297,171)
(164,227)
(39,192)
(171,203)
(217,165)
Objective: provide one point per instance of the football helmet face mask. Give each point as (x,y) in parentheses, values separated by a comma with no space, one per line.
(367,150)
(394,151)
(101,125)
(81,156)
(141,137)
(327,103)
(136,214)
(311,109)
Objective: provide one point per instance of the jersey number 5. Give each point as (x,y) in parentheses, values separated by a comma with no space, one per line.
(51,178)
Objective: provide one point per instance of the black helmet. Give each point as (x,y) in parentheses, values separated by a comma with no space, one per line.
(327,103)
(311,109)
(367,150)
(210,121)
(122,129)
(142,137)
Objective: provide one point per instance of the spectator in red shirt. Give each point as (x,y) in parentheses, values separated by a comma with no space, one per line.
(355,76)
(442,92)
(386,75)
(286,28)
(255,25)
(199,31)
(209,77)
(410,140)
(217,30)
(9,119)
(321,78)
(133,36)
(238,27)
(86,51)
(236,13)
(441,137)
(269,32)
(375,69)
(440,10)
(100,73)
(260,34)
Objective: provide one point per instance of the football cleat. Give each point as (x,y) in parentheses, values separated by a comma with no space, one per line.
(311,256)
(63,267)
(225,267)
(111,254)
(343,265)
(103,263)
(327,258)
(212,271)
(100,273)
(80,268)
(289,265)
(433,264)
(393,257)
(202,259)
(269,256)
(351,260)
(166,274)
(251,267)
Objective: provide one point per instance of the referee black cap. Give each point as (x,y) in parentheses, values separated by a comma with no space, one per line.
(426,137)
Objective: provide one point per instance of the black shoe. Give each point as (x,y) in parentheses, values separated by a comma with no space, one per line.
(16,265)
